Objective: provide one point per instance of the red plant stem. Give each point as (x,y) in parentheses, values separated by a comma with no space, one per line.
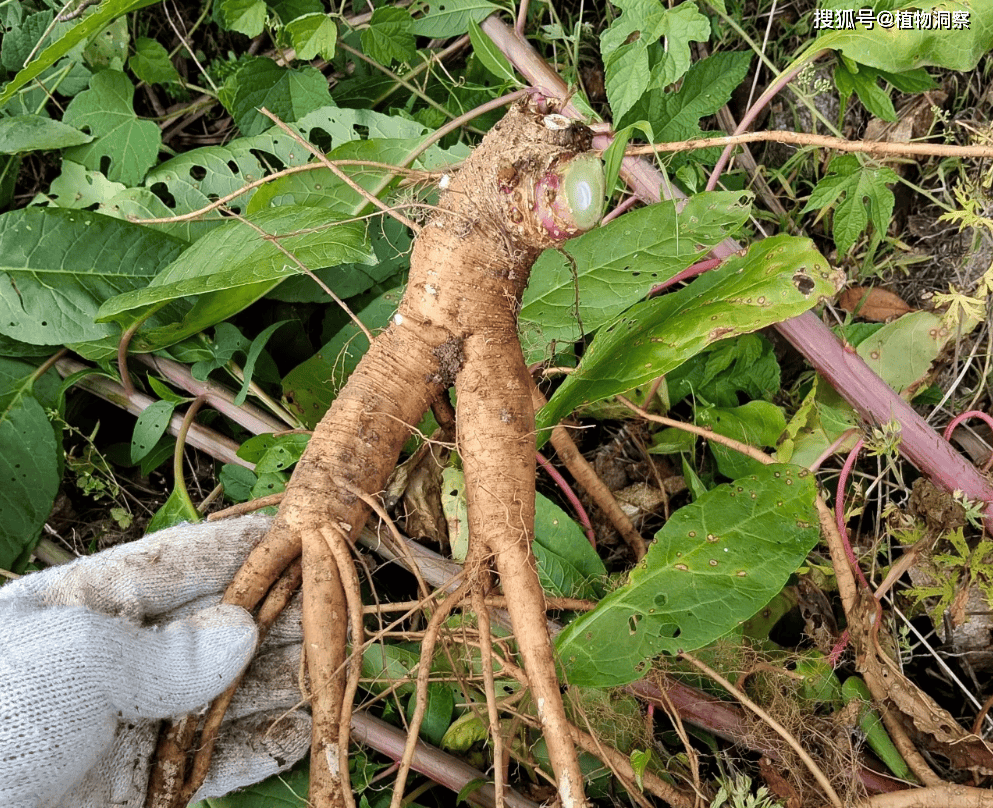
(690,272)
(570,495)
(958,419)
(841,367)
(839,510)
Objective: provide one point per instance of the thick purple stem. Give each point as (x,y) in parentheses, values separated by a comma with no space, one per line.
(868,395)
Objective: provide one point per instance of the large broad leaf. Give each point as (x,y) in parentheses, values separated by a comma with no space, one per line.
(777,278)
(900,48)
(234,265)
(29,466)
(714,564)
(88,26)
(614,266)
(445,18)
(289,93)
(58,266)
(128,147)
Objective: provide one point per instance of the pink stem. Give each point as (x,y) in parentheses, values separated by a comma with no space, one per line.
(570,495)
(843,369)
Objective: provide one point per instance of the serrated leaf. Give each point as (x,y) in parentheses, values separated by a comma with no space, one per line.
(862,80)
(445,18)
(58,266)
(127,145)
(707,87)
(288,93)
(898,49)
(151,62)
(616,265)
(490,56)
(151,425)
(233,266)
(777,278)
(20,41)
(389,38)
(714,564)
(244,16)
(86,27)
(568,566)
(313,35)
(625,47)
(25,133)
(865,196)
(29,470)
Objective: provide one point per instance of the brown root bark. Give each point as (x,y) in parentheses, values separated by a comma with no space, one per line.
(469,266)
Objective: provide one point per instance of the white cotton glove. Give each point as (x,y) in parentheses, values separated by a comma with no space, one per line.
(94,653)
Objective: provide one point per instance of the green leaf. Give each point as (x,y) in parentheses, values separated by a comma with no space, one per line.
(25,133)
(254,352)
(444,18)
(568,566)
(707,87)
(312,385)
(78,187)
(233,266)
(865,196)
(281,453)
(288,93)
(757,423)
(389,38)
(29,469)
(20,41)
(714,564)
(313,35)
(899,49)
(151,62)
(244,16)
(237,482)
(613,156)
(127,145)
(109,48)
(777,278)
(626,48)
(58,266)
(490,56)
(287,790)
(456,510)
(438,714)
(153,421)
(863,81)
(86,27)
(616,265)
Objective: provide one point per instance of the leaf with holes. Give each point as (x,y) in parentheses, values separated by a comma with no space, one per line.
(714,564)
(58,266)
(777,278)
(616,265)
(445,18)
(123,147)
(85,28)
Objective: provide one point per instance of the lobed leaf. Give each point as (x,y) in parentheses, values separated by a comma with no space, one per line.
(127,145)
(714,564)
(777,278)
